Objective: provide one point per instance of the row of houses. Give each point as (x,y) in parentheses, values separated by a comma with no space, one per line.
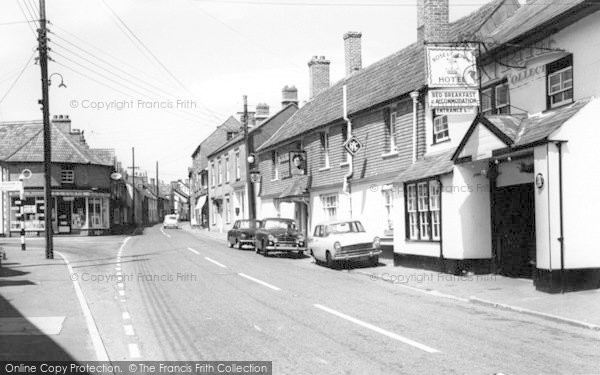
(470,148)
(92,194)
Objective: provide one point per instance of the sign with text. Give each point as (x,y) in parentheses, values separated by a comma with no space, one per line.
(353,145)
(455,111)
(452,67)
(453,98)
(11,185)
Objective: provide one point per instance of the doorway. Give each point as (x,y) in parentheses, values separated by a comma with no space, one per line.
(514,230)
(64,211)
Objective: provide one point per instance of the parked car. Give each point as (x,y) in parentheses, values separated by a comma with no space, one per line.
(344,241)
(171,221)
(277,234)
(242,233)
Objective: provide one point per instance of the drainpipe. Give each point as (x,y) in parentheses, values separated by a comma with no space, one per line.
(415,97)
(347,176)
(561,239)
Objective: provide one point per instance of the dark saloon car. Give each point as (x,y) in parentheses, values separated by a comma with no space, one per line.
(279,235)
(242,233)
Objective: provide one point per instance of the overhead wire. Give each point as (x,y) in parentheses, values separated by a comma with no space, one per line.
(18,78)
(29,21)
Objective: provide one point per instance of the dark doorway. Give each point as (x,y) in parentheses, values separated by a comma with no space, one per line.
(64,215)
(514,230)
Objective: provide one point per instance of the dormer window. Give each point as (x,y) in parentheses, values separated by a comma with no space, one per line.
(67,176)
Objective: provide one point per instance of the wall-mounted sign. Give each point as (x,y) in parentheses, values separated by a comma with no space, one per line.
(115,176)
(455,110)
(353,145)
(453,98)
(11,185)
(297,163)
(539,180)
(255,176)
(452,67)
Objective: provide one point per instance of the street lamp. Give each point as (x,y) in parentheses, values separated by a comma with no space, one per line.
(251,158)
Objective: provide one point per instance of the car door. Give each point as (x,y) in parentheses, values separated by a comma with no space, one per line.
(315,243)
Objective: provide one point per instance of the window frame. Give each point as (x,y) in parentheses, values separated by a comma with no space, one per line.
(437,138)
(388,204)
(274,169)
(392,147)
(330,206)
(227,176)
(69,181)
(325,157)
(227,208)
(495,108)
(562,90)
(219,173)
(423,210)
(238,169)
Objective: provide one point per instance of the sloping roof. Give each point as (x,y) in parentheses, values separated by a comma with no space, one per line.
(535,15)
(522,131)
(384,80)
(430,165)
(24,142)
(238,138)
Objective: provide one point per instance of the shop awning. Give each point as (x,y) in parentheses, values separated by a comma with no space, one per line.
(298,189)
(429,166)
(201,201)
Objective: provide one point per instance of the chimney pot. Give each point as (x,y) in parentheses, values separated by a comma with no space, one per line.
(318,68)
(289,95)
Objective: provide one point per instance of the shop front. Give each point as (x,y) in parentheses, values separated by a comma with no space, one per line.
(73,212)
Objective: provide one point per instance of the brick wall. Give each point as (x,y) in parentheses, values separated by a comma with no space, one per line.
(352,52)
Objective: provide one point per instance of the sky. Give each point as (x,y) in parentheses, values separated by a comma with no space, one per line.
(161,75)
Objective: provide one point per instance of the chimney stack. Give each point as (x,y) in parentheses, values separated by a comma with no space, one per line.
(352,52)
(432,21)
(289,95)
(318,69)
(63,122)
(262,113)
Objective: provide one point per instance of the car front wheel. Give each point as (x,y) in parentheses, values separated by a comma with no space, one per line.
(329,259)
(374,261)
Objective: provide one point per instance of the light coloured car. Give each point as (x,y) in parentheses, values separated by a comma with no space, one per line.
(344,241)
(171,221)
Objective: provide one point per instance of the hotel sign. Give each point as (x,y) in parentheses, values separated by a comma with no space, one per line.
(451,67)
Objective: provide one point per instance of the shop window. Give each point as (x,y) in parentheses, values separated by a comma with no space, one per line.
(325,149)
(98,213)
(67,176)
(274,171)
(440,129)
(388,204)
(495,99)
(560,82)
(423,211)
(330,206)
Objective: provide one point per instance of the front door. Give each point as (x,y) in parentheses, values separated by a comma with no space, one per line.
(514,230)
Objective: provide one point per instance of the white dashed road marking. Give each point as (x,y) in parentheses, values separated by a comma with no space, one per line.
(215,262)
(259,281)
(134,351)
(193,251)
(163,232)
(126,315)
(128,329)
(377,329)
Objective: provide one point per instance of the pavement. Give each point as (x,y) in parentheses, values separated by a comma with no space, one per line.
(519,295)
(40,315)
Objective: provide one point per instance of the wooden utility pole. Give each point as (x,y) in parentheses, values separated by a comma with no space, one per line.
(249,151)
(133,185)
(45,102)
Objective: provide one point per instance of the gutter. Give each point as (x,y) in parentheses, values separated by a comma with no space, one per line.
(415,97)
(346,183)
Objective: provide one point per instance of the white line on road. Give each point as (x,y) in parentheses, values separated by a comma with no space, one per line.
(163,232)
(101,354)
(193,251)
(259,281)
(215,262)
(121,292)
(126,315)
(377,329)
(134,351)
(128,330)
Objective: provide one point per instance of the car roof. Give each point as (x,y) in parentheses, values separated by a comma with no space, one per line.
(240,220)
(278,218)
(333,222)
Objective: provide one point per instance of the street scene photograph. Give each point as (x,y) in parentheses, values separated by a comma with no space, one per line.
(301,187)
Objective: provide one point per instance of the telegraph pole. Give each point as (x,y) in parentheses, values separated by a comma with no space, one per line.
(133,185)
(249,151)
(43,54)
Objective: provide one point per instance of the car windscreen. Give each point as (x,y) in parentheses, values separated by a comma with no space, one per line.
(279,224)
(250,224)
(345,227)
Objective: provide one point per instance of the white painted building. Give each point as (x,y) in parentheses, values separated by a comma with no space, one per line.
(508,190)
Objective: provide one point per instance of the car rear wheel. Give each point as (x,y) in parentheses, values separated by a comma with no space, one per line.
(374,261)
(230,243)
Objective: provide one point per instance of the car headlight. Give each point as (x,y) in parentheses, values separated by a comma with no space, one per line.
(376,243)
(300,238)
(272,238)
(337,246)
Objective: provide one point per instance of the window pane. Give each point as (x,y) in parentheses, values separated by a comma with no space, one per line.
(501,95)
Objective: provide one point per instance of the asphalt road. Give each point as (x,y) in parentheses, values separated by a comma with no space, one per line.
(183,296)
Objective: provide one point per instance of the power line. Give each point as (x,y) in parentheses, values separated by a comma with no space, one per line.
(346,4)
(17,22)
(27,19)
(18,77)
(156,59)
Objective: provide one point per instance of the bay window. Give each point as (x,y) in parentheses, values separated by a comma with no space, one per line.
(422,210)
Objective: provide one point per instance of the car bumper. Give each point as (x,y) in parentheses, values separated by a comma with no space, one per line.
(364,255)
(246,242)
(285,248)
